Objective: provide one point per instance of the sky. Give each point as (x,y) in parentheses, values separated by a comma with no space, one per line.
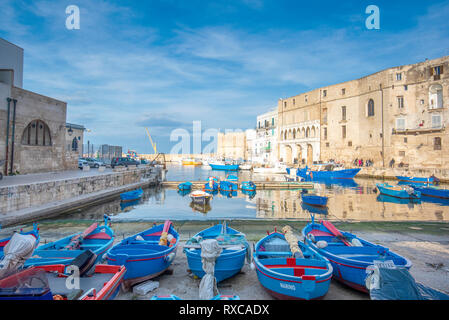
(165,64)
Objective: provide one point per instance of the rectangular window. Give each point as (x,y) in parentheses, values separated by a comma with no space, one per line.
(436,121)
(437,143)
(325,115)
(405,140)
(400,124)
(327,144)
(305,98)
(343,132)
(398,76)
(294,101)
(350,144)
(285,104)
(325,133)
(401,102)
(324,93)
(343,91)
(343,113)
(402,153)
(437,70)
(405,87)
(272,121)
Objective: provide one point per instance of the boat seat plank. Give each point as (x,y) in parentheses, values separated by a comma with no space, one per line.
(277,253)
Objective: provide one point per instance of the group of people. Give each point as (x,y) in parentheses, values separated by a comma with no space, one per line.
(362,163)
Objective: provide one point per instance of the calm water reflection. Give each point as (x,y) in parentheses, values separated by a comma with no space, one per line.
(355,200)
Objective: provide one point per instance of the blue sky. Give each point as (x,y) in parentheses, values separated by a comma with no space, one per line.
(164,64)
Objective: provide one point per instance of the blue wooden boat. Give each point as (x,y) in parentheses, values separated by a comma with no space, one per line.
(232,178)
(250,194)
(231,260)
(314,200)
(431,191)
(390,199)
(224,166)
(131,195)
(248,186)
(348,254)
(287,277)
(146,254)
(314,209)
(185,186)
(398,191)
(307,173)
(96,238)
(416,179)
(34,233)
(211,186)
(228,186)
(43,282)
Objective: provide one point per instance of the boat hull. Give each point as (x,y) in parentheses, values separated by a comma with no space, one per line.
(285,277)
(99,242)
(432,192)
(143,259)
(313,200)
(131,195)
(350,262)
(226,167)
(228,264)
(415,179)
(392,191)
(105,279)
(319,175)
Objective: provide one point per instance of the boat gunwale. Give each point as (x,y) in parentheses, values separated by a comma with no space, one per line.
(355,263)
(318,278)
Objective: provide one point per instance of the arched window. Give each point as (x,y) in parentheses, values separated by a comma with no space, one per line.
(75,144)
(370,108)
(37,133)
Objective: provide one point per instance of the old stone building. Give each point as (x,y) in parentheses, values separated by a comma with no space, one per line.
(74,138)
(32,137)
(299,128)
(232,145)
(399,113)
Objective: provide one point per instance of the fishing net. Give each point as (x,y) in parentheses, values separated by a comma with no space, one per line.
(210,251)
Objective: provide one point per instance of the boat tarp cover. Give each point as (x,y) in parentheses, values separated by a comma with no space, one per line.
(210,251)
(396,283)
(19,248)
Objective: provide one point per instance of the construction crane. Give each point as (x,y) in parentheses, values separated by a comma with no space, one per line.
(151,141)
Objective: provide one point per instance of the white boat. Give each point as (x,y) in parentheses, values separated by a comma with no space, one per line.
(246,166)
(277,169)
(200,197)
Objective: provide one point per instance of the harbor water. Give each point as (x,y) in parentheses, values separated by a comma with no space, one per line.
(349,200)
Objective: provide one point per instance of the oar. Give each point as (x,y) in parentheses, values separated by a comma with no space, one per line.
(335,232)
(77,238)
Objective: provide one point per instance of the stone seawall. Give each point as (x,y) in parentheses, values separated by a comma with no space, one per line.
(391,173)
(18,197)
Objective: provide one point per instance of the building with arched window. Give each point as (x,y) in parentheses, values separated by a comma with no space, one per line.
(33,126)
(398,113)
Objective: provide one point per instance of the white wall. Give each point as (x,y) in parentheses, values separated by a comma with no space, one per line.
(11,57)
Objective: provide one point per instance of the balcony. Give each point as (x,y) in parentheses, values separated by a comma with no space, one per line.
(418,130)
